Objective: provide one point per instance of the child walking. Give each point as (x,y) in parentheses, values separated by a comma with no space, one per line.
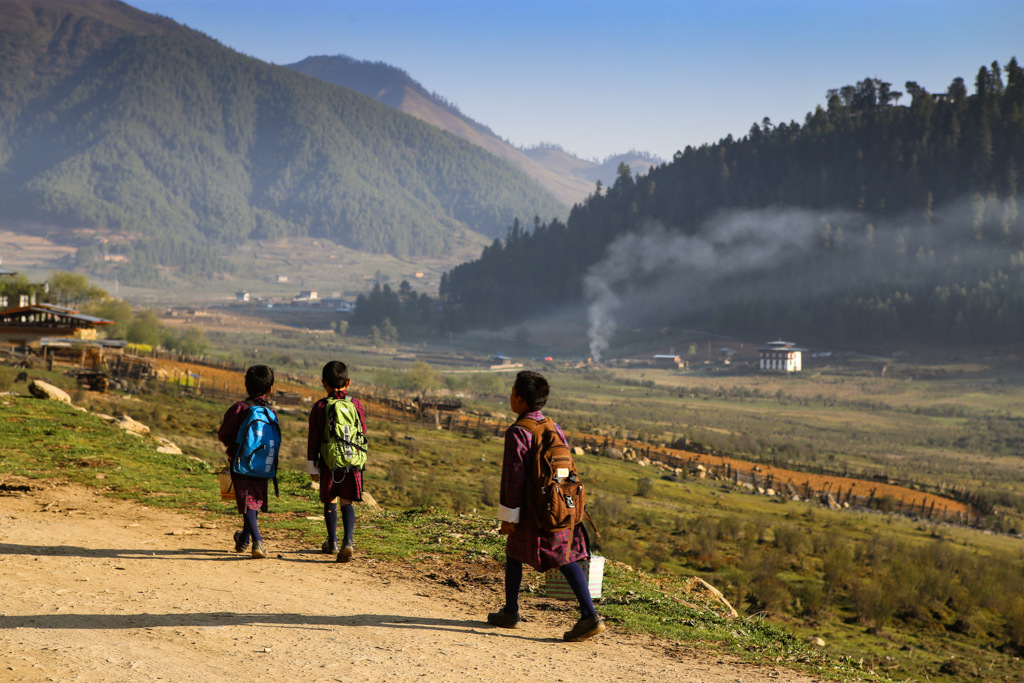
(340,474)
(526,541)
(250,492)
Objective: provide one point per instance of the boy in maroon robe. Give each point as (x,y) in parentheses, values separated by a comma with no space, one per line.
(250,492)
(346,487)
(526,541)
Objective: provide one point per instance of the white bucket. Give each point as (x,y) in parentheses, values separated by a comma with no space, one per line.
(555,585)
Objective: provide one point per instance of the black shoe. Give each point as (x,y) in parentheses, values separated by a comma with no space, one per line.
(329,548)
(239,546)
(504,619)
(585,628)
(346,553)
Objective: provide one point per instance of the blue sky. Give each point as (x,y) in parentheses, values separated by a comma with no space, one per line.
(602,77)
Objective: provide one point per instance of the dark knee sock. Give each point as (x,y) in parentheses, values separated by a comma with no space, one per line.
(331,519)
(252,525)
(577,581)
(244,538)
(348,521)
(513,580)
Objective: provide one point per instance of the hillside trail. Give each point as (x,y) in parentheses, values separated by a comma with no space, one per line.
(99,589)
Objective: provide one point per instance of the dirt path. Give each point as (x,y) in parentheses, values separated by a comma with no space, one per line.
(95,589)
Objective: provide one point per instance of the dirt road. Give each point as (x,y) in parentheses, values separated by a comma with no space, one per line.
(95,589)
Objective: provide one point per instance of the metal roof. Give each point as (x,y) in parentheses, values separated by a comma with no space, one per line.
(68,342)
(48,313)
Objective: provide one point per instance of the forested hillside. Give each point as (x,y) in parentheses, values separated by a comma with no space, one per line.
(116,119)
(869,222)
(397,89)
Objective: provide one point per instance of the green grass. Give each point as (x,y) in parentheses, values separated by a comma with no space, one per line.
(949,424)
(46,440)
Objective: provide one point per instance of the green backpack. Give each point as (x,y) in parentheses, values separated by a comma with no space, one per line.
(344,444)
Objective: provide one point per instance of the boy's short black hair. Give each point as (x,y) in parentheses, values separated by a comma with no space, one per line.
(259,380)
(335,374)
(532,388)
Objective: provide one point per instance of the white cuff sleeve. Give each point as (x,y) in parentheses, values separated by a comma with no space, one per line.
(510,515)
(311,467)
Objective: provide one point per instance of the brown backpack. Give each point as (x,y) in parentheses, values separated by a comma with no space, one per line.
(554,495)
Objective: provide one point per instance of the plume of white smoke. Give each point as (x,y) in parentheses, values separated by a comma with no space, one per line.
(726,245)
(655,268)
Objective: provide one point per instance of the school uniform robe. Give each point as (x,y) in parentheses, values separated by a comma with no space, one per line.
(250,492)
(351,485)
(528,543)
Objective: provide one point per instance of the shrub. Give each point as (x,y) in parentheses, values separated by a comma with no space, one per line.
(789,538)
(837,566)
(736,585)
(490,492)
(1015,623)
(611,508)
(644,486)
(873,603)
(810,599)
(398,473)
(461,502)
(705,537)
(730,528)
(424,493)
(768,592)
(657,553)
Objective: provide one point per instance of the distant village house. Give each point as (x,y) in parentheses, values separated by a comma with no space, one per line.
(668,361)
(780,356)
(241,296)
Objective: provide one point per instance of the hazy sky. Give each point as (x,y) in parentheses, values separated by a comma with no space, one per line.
(605,76)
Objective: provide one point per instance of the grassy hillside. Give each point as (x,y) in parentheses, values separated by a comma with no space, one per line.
(898,596)
(88,451)
(114,120)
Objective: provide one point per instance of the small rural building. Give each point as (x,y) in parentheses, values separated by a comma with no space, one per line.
(780,356)
(307,294)
(26,324)
(668,361)
(282,278)
(502,362)
(241,296)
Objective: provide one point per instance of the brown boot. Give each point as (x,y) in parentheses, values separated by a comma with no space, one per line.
(585,628)
(504,619)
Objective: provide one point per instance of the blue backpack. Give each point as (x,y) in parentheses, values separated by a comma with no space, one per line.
(258,442)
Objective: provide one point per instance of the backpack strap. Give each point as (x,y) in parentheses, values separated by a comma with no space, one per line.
(536,427)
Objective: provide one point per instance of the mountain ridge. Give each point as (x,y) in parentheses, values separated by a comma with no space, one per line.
(126,121)
(571,182)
